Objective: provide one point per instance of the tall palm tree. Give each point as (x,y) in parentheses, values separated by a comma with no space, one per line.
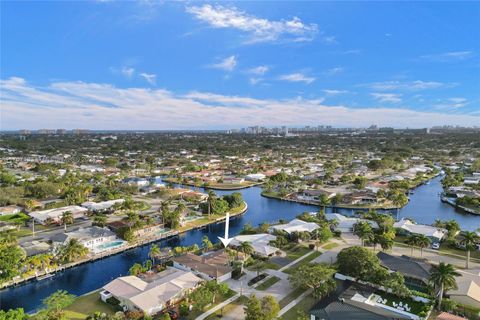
(206,244)
(246,248)
(443,278)
(364,231)
(67,218)
(469,239)
(412,241)
(212,197)
(99,220)
(423,242)
(154,252)
(132,219)
(73,250)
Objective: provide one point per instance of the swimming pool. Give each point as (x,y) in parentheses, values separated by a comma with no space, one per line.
(109,245)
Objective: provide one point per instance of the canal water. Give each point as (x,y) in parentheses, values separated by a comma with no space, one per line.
(424,207)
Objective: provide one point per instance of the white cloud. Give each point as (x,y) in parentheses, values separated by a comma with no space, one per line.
(334,71)
(254,81)
(260,70)
(149,77)
(332,92)
(387,97)
(448,56)
(104,106)
(227,64)
(257,29)
(127,71)
(297,77)
(411,86)
(452,103)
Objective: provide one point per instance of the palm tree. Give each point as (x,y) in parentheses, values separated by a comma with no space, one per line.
(212,197)
(246,248)
(67,217)
(206,243)
(443,278)
(324,201)
(154,252)
(132,219)
(423,242)
(73,250)
(469,239)
(99,220)
(412,241)
(364,231)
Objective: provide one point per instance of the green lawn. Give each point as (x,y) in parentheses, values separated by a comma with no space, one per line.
(195,313)
(291,296)
(228,308)
(302,262)
(295,251)
(303,307)
(18,217)
(89,304)
(268,283)
(330,246)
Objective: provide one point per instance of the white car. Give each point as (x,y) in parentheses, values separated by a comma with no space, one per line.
(436,245)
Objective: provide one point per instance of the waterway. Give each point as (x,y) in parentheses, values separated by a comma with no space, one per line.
(424,207)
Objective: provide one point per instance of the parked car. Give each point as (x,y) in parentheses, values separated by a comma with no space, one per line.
(436,245)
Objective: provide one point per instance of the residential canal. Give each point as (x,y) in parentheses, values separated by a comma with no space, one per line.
(424,207)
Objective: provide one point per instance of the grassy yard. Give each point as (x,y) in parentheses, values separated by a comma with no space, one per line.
(228,308)
(444,249)
(195,313)
(295,251)
(330,246)
(268,283)
(302,262)
(89,304)
(291,296)
(303,307)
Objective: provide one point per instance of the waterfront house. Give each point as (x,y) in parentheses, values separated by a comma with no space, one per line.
(314,195)
(296,225)
(415,271)
(260,243)
(360,197)
(151,295)
(406,226)
(92,237)
(55,215)
(345,224)
(214,265)
(255,177)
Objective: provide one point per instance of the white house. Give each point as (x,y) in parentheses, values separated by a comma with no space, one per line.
(345,224)
(55,215)
(296,225)
(151,297)
(100,206)
(93,238)
(260,243)
(10,210)
(255,177)
(434,233)
(214,265)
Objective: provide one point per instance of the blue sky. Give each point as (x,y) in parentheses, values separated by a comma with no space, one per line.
(220,65)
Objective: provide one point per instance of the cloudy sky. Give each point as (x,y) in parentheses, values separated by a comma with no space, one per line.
(221,65)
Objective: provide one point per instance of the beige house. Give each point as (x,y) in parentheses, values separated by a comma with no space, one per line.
(151,295)
(468,293)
